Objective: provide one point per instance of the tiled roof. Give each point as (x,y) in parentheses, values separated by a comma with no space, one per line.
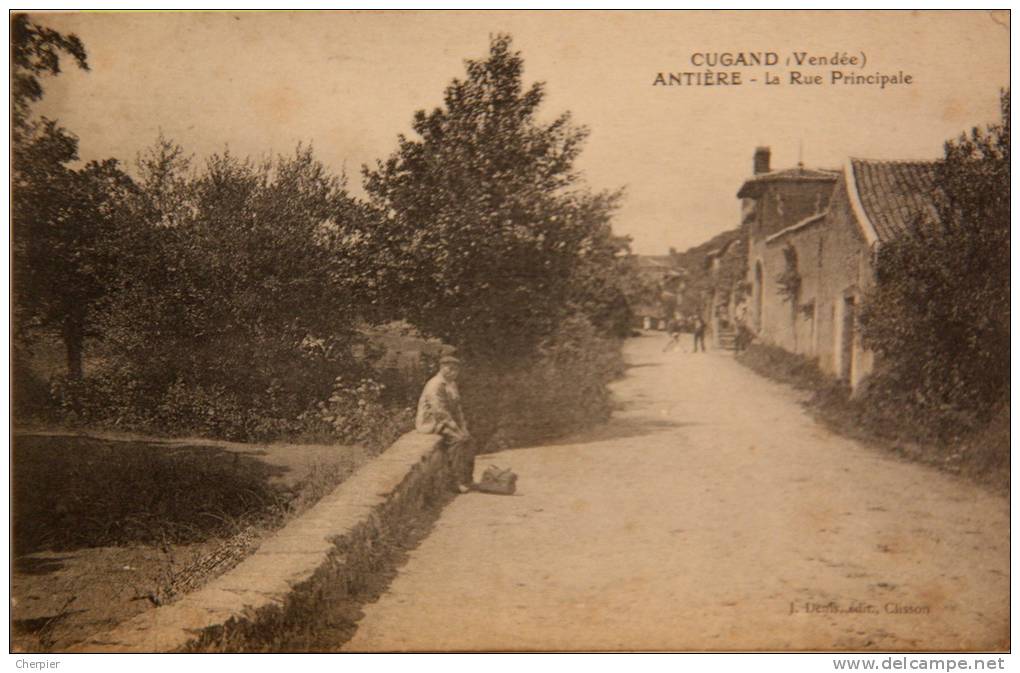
(752,186)
(894,194)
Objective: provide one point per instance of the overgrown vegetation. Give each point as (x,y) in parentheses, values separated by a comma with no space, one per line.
(938,316)
(562,387)
(878,418)
(789,280)
(233,298)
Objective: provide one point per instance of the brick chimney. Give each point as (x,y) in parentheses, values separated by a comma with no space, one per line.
(762,156)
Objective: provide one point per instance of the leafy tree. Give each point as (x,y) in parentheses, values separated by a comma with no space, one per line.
(35,51)
(70,266)
(65,225)
(62,218)
(605,276)
(939,314)
(236,278)
(485,230)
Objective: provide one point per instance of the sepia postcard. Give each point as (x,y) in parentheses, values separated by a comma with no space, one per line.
(510,331)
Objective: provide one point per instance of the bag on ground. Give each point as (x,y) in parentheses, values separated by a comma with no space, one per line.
(498,480)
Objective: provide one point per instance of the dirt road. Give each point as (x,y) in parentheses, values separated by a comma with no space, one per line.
(711,514)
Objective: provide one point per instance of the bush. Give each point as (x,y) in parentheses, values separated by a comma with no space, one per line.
(799,371)
(115,399)
(898,411)
(359,408)
(563,388)
(31,393)
(213,411)
(355,413)
(987,451)
(107,398)
(938,316)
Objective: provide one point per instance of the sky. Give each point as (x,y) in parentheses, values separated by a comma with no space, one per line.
(349,82)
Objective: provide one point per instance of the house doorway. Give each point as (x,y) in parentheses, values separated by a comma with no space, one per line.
(846,349)
(759,296)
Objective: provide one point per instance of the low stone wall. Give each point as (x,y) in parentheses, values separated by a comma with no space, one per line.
(311,559)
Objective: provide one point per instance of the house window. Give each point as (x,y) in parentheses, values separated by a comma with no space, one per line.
(809,311)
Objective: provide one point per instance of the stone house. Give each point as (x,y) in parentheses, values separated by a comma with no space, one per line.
(813,237)
(727,268)
(662,276)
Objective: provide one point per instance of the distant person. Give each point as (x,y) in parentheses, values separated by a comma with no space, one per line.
(440,413)
(699,334)
(743,338)
(673,330)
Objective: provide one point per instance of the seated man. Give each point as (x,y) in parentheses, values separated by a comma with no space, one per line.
(439,413)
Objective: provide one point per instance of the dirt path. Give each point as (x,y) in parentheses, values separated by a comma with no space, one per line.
(707,510)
